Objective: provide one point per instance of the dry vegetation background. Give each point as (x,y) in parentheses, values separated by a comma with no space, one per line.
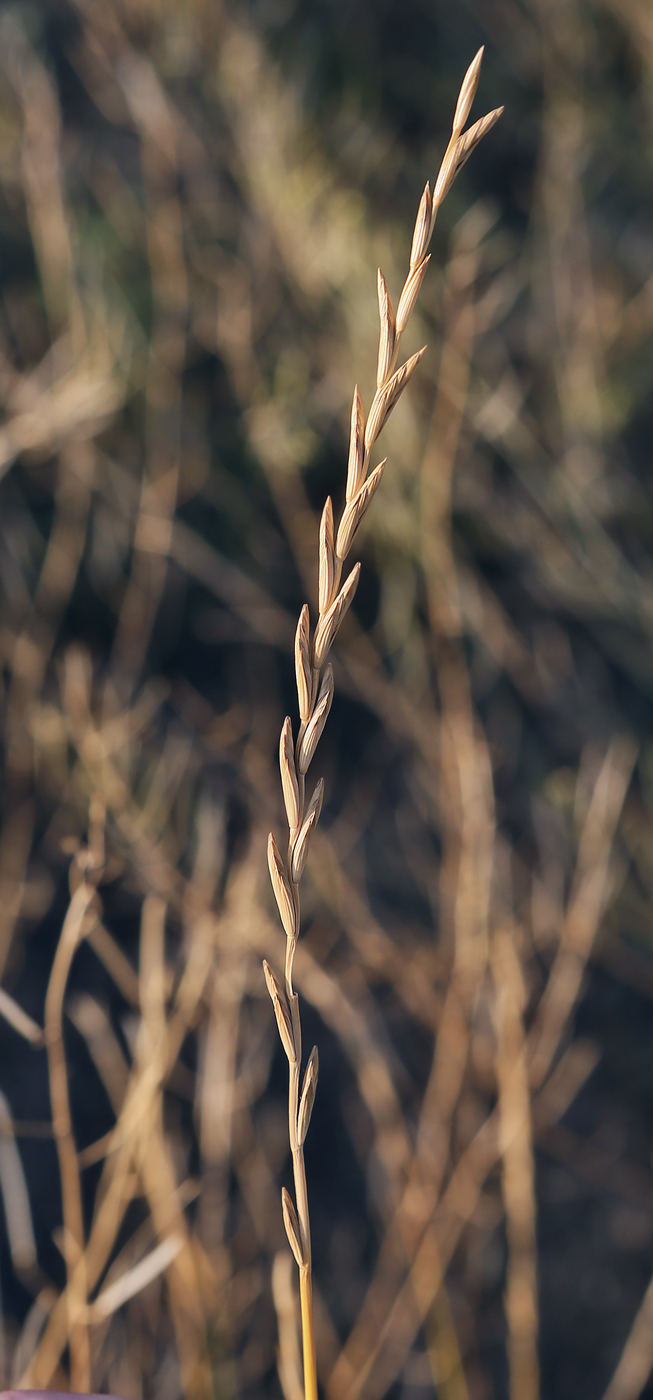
(194,198)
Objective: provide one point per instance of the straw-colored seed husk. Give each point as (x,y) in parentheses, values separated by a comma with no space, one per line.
(471,138)
(328,625)
(300,851)
(387,334)
(313,733)
(281,889)
(410,293)
(283,1017)
(303,663)
(356,446)
(458,152)
(354,512)
(315,804)
(467,92)
(386,398)
(309,1089)
(422,231)
(292,1228)
(327,563)
(288,774)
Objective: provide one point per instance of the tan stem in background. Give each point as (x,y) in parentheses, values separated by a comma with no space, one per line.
(71,1196)
(518,1174)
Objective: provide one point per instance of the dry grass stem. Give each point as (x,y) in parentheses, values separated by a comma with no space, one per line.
(516,1146)
(315,692)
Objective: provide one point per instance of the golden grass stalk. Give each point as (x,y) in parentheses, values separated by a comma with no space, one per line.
(315,690)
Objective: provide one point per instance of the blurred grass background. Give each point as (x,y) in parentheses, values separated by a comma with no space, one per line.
(194,199)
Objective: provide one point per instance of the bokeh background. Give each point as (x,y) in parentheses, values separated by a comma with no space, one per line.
(194,199)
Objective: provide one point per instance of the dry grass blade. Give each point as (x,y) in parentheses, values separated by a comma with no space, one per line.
(19,1020)
(636,1361)
(585,909)
(15,1196)
(136,1279)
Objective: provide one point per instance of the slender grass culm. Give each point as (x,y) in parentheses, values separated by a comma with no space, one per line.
(315,678)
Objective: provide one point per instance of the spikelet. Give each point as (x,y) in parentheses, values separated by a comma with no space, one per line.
(470,140)
(387,334)
(288,774)
(315,804)
(314,729)
(284,1020)
(303,663)
(410,293)
(300,851)
(458,152)
(309,1088)
(292,1228)
(309,824)
(327,563)
(356,446)
(422,231)
(386,398)
(467,93)
(281,889)
(328,625)
(354,512)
